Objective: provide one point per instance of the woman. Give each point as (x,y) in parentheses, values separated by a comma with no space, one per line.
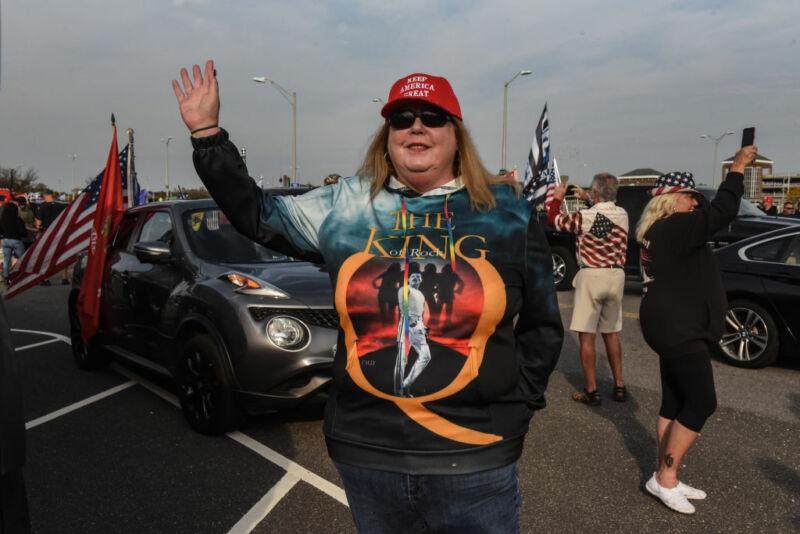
(442,454)
(13,230)
(682,311)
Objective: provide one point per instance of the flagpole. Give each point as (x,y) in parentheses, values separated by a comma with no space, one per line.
(131,169)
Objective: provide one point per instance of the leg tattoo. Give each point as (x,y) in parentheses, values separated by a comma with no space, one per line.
(669,460)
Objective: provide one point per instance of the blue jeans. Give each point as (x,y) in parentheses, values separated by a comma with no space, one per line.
(384,502)
(9,246)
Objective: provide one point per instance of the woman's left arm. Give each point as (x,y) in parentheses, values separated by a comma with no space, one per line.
(538,332)
(696,228)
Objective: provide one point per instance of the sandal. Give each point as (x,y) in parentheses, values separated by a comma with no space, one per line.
(620,393)
(586,397)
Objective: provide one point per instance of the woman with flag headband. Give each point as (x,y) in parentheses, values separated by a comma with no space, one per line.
(682,312)
(442,454)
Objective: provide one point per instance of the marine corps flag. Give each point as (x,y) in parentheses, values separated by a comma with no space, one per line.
(106,217)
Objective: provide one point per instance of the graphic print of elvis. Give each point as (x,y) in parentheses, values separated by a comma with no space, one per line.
(417,337)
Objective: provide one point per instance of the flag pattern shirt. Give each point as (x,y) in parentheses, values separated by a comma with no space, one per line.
(602,232)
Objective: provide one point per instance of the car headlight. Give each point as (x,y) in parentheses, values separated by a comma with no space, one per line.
(286,332)
(249,286)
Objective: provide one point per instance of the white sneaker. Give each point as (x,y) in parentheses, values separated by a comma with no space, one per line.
(690,492)
(671,497)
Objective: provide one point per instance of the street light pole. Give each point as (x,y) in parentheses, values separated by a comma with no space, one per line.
(291,97)
(505,112)
(716,146)
(166,168)
(72,191)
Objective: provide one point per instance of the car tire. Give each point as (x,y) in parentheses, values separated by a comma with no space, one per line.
(564,267)
(750,336)
(89,355)
(209,405)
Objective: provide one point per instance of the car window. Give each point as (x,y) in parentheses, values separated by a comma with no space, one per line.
(157,227)
(745,206)
(782,250)
(124,231)
(212,237)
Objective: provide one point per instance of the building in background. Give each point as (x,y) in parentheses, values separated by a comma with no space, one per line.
(754,176)
(644,176)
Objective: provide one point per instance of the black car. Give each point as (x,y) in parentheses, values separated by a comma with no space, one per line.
(633,198)
(238,326)
(761,276)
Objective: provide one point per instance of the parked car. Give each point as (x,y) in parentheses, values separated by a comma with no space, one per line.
(750,221)
(239,327)
(761,276)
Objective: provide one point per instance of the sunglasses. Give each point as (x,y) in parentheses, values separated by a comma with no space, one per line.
(402,120)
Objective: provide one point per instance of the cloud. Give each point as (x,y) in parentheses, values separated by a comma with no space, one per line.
(627,87)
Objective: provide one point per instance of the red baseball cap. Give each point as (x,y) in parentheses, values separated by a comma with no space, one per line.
(425,88)
(766,199)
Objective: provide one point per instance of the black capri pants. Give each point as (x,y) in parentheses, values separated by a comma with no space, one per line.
(687,387)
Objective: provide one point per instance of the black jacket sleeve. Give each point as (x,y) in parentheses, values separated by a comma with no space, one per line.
(538,331)
(693,230)
(223,172)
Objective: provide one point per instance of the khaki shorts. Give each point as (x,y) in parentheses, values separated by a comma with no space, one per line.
(598,300)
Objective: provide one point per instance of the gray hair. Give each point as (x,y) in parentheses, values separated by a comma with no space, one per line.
(606,186)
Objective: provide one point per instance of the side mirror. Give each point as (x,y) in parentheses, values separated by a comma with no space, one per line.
(153,252)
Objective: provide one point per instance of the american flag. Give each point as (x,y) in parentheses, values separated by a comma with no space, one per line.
(65,238)
(603,244)
(535,182)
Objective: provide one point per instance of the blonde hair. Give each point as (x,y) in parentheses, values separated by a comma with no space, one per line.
(467,164)
(659,207)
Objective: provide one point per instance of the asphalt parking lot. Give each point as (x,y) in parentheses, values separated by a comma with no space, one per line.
(110,452)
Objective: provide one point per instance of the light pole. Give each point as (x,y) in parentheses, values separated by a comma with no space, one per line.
(292,99)
(378,100)
(166,168)
(716,146)
(73,157)
(505,112)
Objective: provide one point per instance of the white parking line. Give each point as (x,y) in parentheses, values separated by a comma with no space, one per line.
(56,337)
(294,471)
(265,505)
(80,404)
(292,468)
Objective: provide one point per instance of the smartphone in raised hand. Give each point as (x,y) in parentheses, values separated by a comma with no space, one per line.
(748,136)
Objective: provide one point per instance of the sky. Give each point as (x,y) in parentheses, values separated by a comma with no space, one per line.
(628,84)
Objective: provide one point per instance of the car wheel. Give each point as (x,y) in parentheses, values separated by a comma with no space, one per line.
(207,402)
(89,355)
(564,267)
(750,337)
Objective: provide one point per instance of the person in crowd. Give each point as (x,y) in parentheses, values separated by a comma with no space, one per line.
(45,215)
(13,230)
(29,218)
(602,242)
(682,312)
(788,209)
(768,206)
(14,516)
(422,194)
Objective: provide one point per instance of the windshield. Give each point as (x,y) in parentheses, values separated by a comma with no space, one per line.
(213,238)
(745,206)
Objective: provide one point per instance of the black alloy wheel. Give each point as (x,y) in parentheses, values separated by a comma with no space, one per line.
(750,336)
(564,267)
(89,355)
(208,404)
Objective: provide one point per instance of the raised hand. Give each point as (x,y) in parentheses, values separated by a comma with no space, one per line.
(744,157)
(199,99)
(560,191)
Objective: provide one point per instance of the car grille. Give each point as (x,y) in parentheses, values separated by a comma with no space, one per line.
(326,317)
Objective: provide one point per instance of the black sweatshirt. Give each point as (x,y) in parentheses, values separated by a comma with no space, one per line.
(684,303)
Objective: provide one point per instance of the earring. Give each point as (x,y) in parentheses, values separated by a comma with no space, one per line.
(386,157)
